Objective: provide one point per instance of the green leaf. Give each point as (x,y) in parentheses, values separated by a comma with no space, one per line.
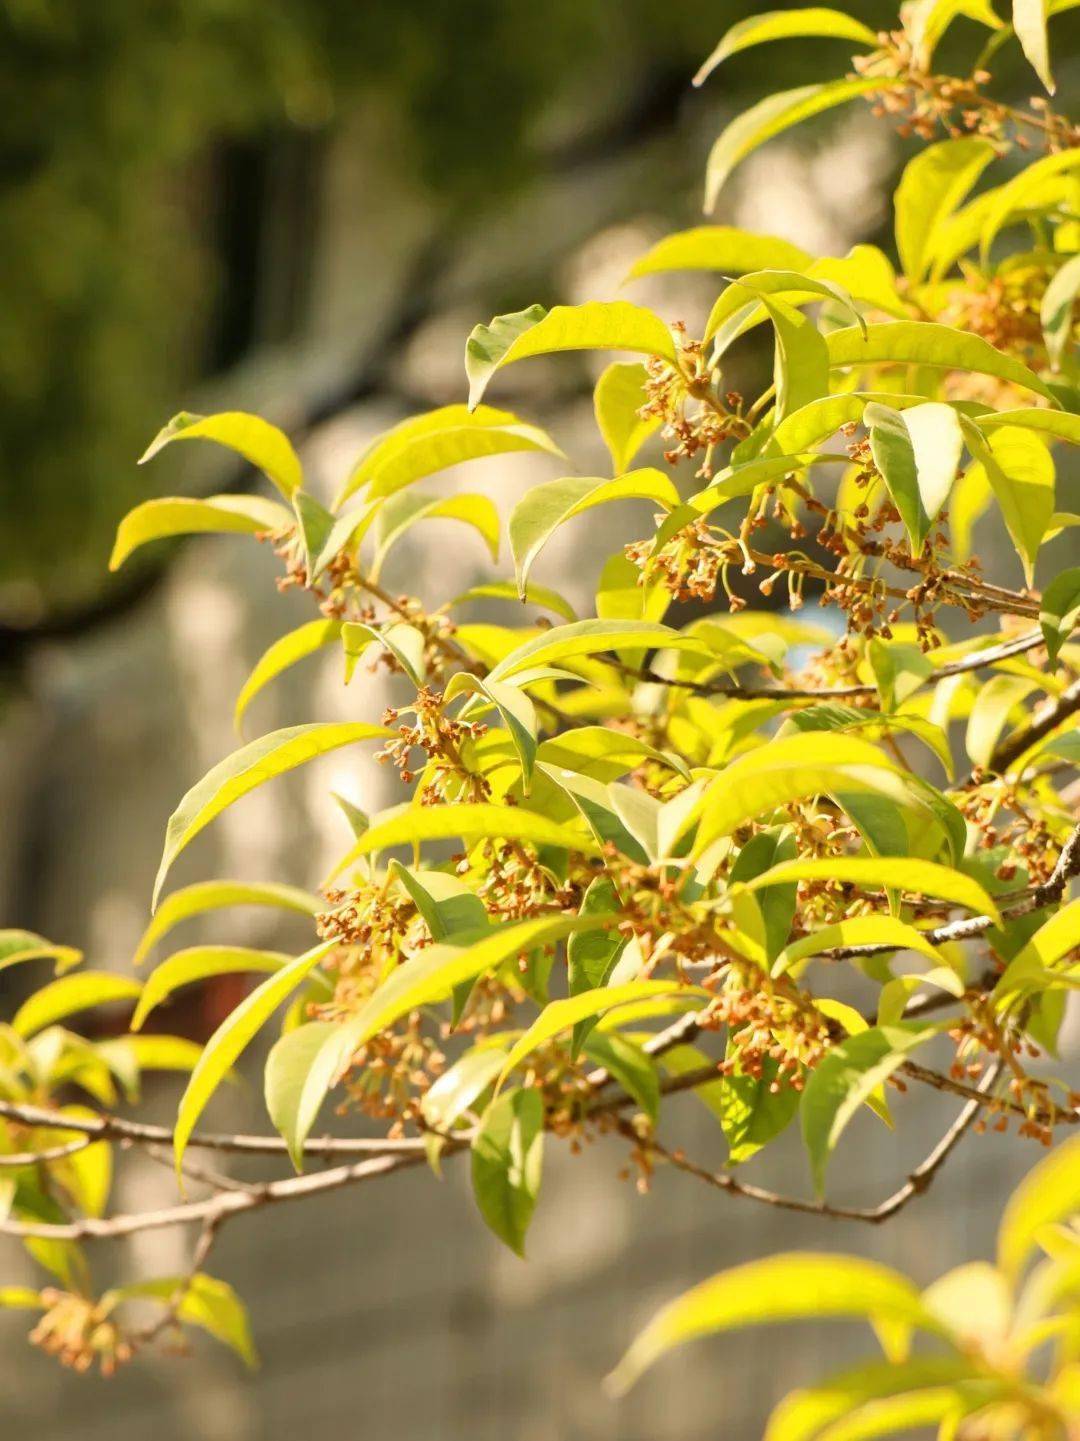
(1058,423)
(315,525)
(617,400)
(263,444)
(445,902)
(596,325)
(720,247)
(345,536)
(402,512)
(805,1415)
(990,713)
(562,1015)
(918,453)
(404,642)
(590,637)
(507,1157)
(538,595)
(925,22)
(305,640)
(70,994)
(287,1067)
(1029,22)
(771,116)
(204,896)
(845,1080)
(1020,470)
(545,507)
(177,515)
(752,1113)
(204,1301)
(428,977)
(902,873)
(259,761)
(454,1092)
(924,342)
(859,931)
(1059,614)
(231,1038)
(19,946)
(792,1287)
(632,1067)
(1024,188)
(473,821)
(801,362)
(516,711)
(1056,312)
(931,188)
(591,956)
(832,716)
(822,418)
(814,22)
(198,963)
(1049,1193)
(790,769)
(798,286)
(426,444)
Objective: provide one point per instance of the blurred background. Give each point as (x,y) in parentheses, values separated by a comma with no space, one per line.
(301,207)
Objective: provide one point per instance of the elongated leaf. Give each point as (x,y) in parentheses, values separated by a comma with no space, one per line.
(1053,940)
(591,956)
(516,711)
(538,595)
(844,1081)
(788,769)
(70,994)
(800,1285)
(720,247)
(545,507)
(177,515)
(261,760)
(773,115)
(405,643)
(233,1036)
(1056,312)
(259,442)
(1049,1193)
(402,512)
(924,878)
(931,188)
(315,525)
(19,946)
(617,400)
(925,22)
(446,903)
(198,963)
(754,1110)
(1059,614)
(561,1015)
(1020,470)
(801,364)
(596,325)
(918,453)
(1029,22)
(471,822)
(990,714)
(798,286)
(205,896)
(507,1157)
(287,1068)
(783,25)
(452,1094)
(426,444)
(858,931)
(430,976)
(1057,423)
(305,640)
(202,1301)
(923,342)
(822,418)
(1023,189)
(590,637)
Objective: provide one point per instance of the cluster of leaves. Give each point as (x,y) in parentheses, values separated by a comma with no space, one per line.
(696,849)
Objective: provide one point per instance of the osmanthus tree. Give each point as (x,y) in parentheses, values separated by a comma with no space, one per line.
(793,867)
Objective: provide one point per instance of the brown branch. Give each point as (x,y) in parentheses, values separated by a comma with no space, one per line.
(1042,723)
(114,1128)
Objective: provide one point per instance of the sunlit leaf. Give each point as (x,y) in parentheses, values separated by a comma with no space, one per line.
(405,643)
(784,25)
(617,400)
(1029,22)
(70,994)
(402,512)
(18,946)
(293,646)
(1020,470)
(263,444)
(924,878)
(1049,1193)
(199,963)
(932,186)
(261,760)
(720,247)
(195,900)
(1056,312)
(923,342)
(177,515)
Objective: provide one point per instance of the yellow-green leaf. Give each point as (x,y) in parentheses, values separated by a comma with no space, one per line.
(260,761)
(263,444)
(18,946)
(1020,470)
(402,512)
(924,342)
(617,400)
(858,931)
(70,994)
(918,453)
(595,325)
(199,963)
(1049,1193)
(507,1157)
(1029,22)
(305,640)
(177,515)
(591,637)
(933,184)
(902,873)
(720,247)
(814,22)
(203,896)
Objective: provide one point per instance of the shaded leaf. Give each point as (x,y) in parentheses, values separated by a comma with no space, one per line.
(507,1158)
